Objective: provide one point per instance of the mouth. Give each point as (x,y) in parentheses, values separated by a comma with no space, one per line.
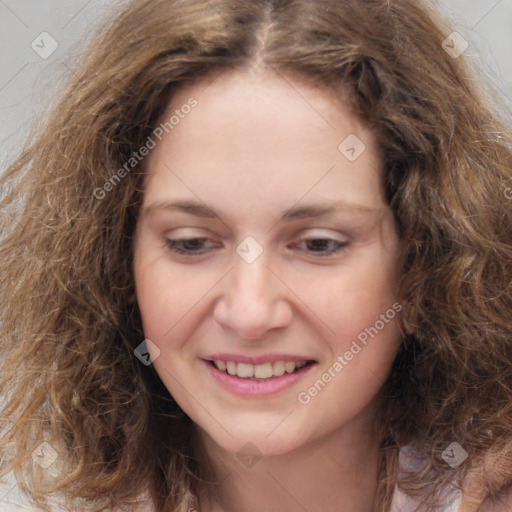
(258,376)
(260,372)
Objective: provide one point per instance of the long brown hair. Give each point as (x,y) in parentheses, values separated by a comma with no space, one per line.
(69,319)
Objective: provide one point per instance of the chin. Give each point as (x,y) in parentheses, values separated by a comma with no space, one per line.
(249,441)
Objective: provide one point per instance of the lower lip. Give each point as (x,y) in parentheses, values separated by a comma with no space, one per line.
(249,387)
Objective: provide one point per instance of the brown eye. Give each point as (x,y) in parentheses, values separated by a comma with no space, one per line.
(186,246)
(322,246)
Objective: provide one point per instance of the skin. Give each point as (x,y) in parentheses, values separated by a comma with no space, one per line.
(256,145)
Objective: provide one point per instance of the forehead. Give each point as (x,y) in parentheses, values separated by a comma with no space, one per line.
(265,98)
(260,135)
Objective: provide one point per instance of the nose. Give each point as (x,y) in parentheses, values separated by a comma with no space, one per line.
(254,299)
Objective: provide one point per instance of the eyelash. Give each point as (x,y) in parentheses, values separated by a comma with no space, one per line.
(173,245)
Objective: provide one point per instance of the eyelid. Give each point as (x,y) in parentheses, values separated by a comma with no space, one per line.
(320,233)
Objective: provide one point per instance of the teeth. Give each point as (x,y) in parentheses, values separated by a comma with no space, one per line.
(278,368)
(262,371)
(221,365)
(289,367)
(244,370)
(259,371)
(231,367)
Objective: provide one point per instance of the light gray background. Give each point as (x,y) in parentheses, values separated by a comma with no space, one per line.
(28,82)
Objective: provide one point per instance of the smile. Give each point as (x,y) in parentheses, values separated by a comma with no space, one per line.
(262,371)
(257,380)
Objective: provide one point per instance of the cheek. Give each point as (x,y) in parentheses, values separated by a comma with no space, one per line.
(355,300)
(352,377)
(169,303)
(155,295)
(361,310)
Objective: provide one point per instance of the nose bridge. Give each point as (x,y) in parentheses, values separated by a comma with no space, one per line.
(252,300)
(252,283)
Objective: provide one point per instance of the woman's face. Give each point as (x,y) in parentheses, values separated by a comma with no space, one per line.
(273,191)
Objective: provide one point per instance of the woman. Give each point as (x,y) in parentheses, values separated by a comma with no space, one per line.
(175,337)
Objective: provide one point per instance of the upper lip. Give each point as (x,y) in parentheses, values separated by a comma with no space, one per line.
(254,360)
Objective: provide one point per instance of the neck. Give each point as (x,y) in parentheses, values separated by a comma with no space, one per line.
(338,471)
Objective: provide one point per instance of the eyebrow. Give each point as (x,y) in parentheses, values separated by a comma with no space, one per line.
(297,212)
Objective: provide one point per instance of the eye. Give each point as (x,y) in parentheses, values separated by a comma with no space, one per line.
(196,246)
(320,246)
(186,246)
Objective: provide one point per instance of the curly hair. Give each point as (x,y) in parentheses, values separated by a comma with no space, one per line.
(69,319)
